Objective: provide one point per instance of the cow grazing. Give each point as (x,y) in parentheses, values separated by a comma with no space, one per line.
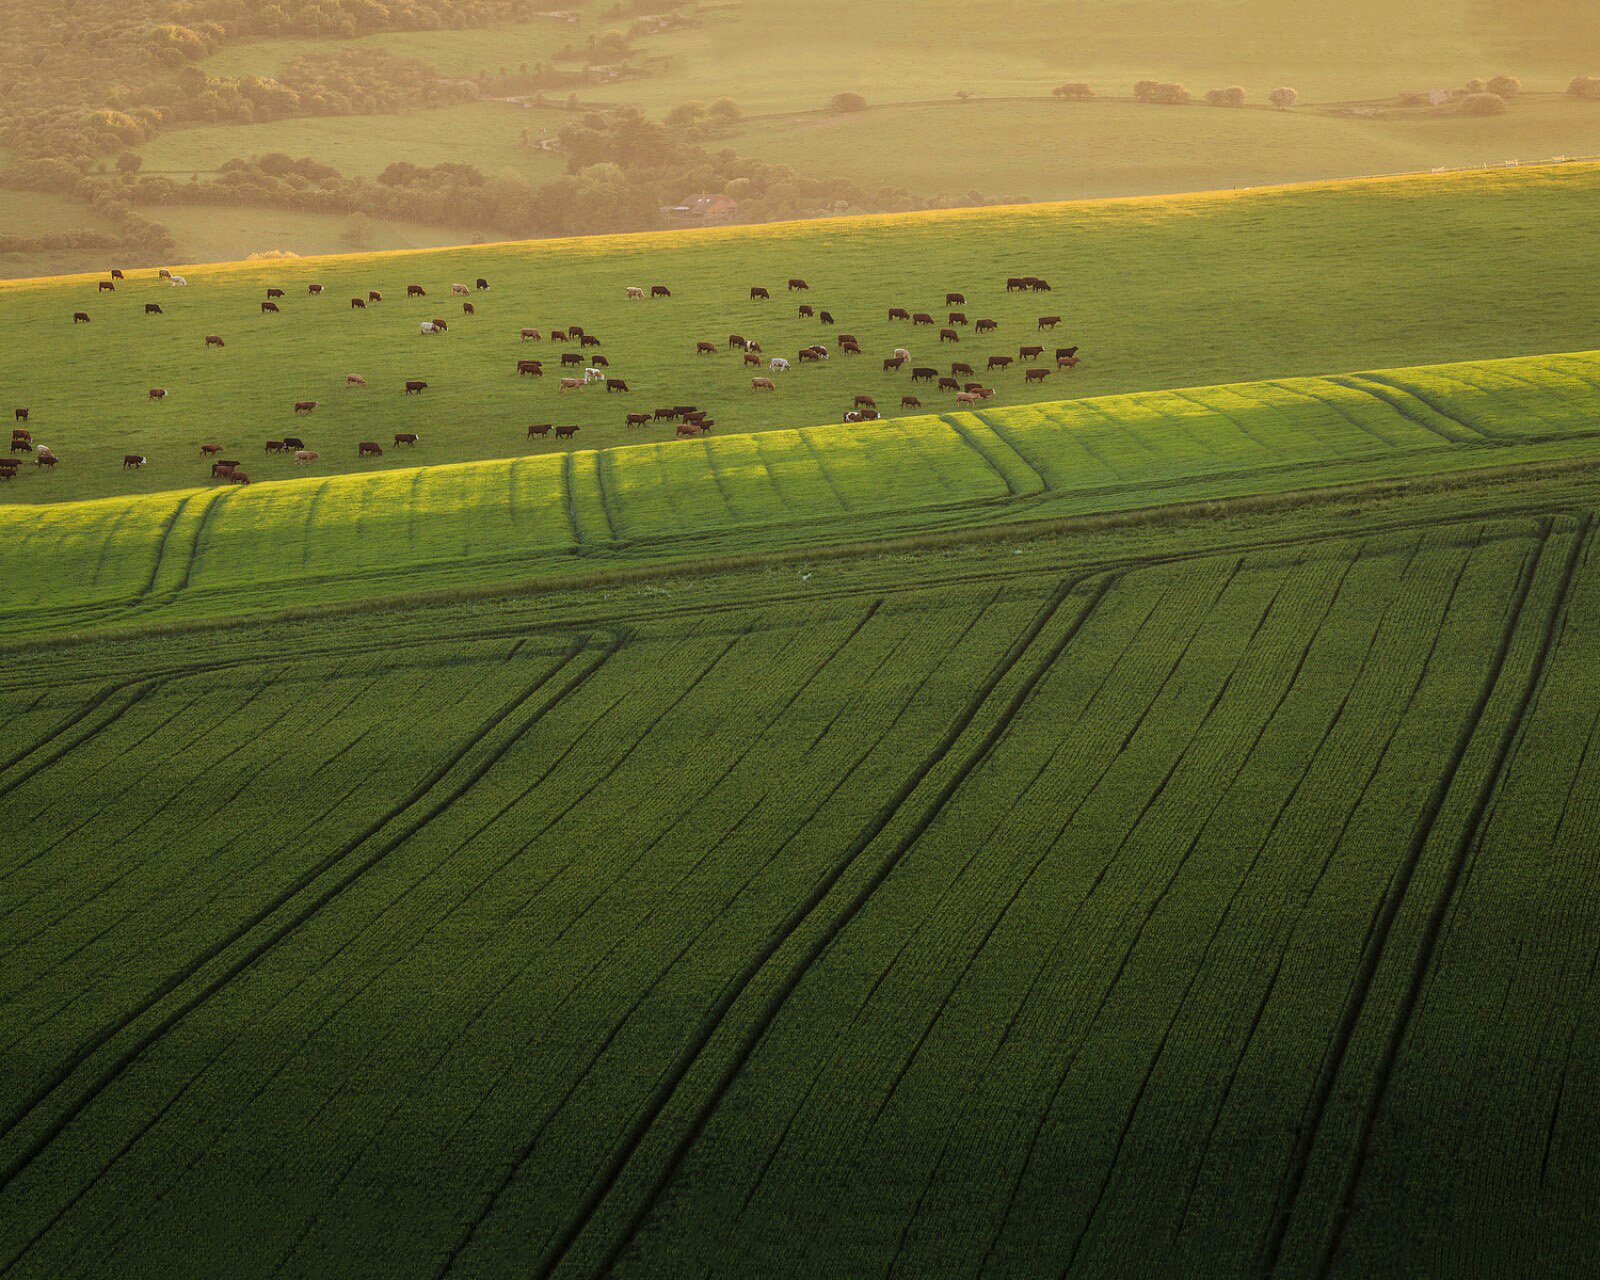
(80,317)
(530,335)
(588,340)
(778,364)
(44,458)
(214,340)
(369,449)
(163,274)
(1049,322)
(1015,284)
(21,415)
(222,470)
(798,283)
(570,358)
(826,317)
(958,317)
(416,388)
(868,401)
(660,291)
(8,470)
(305,406)
(757,292)
(157,393)
(558,335)
(406,437)
(924,375)
(303,456)
(374,296)
(209,450)
(571,384)
(132,461)
(893,364)
(238,477)
(540,429)
(575,330)
(154,308)
(467,309)
(274,293)
(900,353)
(358,304)
(751,358)
(949,335)
(1038,285)
(635,293)
(461,290)
(763,384)
(705,348)
(530,369)
(107,286)
(850,348)
(910,402)
(1035,375)
(688,429)
(1030,353)
(959,367)
(807,311)
(921,317)
(482,283)
(899,313)
(314,289)
(354,380)
(269,308)
(736,340)
(293,442)
(274,446)
(986,326)
(955,299)
(753,346)
(998,362)
(600,362)
(416,291)
(566,431)
(967,397)
(616,384)
(636,419)
(428,327)
(116,273)
(949,384)
(177,282)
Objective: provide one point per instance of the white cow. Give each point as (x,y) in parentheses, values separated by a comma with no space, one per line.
(900,353)
(778,364)
(426,327)
(635,292)
(178,280)
(593,375)
(461,289)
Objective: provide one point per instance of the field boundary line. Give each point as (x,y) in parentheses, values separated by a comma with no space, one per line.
(332,862)
(1468,840)
(1270,1254)
(645,1119)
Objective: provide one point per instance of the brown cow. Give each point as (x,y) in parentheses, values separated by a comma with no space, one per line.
(269,308)
(826,317)
(354,380)
(80,317)
(1035,375)
(157,393)
(736,340)
(571,358)
(468,309)
(275,446)
(1066,351)
(893,364)
(406,437)
(530,369)
(616,384)
(958,317)
(222,470)
(955,299)
(575,330)
(558,335)
(949,335)
(910,402)
(358,304)
(416,291)
(660,291)
(999,362)
(21,415)
(757,292)
(960,367)
(868,401)
(116,274)
(1049,322)
(807,311)
(1038,285)
(705,348)
(538,429)
(274,293)
(600,362)
(921,317)
(416,388)
(688,429)
(751,358)
(850,348)
(45,458)
(238,477)
(588,340)
(374,296)
(107,286)
(314,289)
(302,456)
(1030,353)
(899,313)
(1067,362)
(566,431)
(763,384)
(206,450)
(214,340)
(530,335)
(1015,283)
(798,283)
(949,384)
(154,309)
(369,449)
(986,326)
(972,386)
(923,375)
(637,419)
(305,406)
(132,461)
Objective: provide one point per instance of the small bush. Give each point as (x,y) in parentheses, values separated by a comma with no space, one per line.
(1171,95)
(1145,90)
(1480,104)
(724,111)
(1506,87)
(1074,89)
(848,102)
(1232,97)
(1585,87)
(1284,98)
(1475,86)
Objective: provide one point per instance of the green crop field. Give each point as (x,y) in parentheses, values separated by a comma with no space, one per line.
(1159,293)
(1074,905)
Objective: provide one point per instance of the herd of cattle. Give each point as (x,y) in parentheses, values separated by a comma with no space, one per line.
(585,367)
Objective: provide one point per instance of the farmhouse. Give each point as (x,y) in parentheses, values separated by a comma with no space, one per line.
(705,208)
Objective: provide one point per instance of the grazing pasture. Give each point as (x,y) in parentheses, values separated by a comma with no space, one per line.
(1156,293)
(1088,904)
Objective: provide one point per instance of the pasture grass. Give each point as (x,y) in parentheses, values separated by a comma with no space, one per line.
(1176,292)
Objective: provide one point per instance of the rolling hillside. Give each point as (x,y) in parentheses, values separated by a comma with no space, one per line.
(1160,293)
